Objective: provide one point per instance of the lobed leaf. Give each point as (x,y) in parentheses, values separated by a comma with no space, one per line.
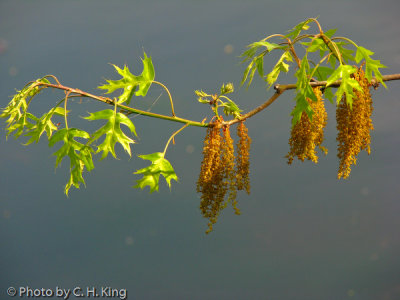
(151,174)
(346,53)
(347,85)
(79,154)
(231,108)
(302,105)
(295,31)
(44,124)
(281,65)
(131,84)
(112,131)
(316,44)
(371,65)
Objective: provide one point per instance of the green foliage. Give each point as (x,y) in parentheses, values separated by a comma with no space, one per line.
(16,110)
(130,83)
(333,51)
(151,174)
(112,131)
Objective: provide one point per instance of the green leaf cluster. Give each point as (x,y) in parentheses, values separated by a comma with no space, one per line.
(230,108)
(333,51)
(78,145)
(17,109)
(257,61)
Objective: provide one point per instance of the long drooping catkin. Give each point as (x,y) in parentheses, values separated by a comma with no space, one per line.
(354,125)
(242,158)
(307,134)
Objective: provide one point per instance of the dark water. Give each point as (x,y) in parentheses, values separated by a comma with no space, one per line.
(302,234)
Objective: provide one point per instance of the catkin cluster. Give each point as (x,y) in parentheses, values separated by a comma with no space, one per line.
(354,125)
(220,172)
(306,135)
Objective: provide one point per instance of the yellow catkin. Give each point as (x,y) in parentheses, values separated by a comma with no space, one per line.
(306,135)
(220,173)
(228,161)
(354,125)
(242,158)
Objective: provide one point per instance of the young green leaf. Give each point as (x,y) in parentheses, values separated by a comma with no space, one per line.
(317,44)
(268,45)
(79,155)
(16,107)
(44,124)
(246,72)
(21,125)
(151,174)
(251,76)
(329,33)
(371,65)
(302,104)
(113,131)
(332,60)
(347,85)
(346,53)
(260,65)
(302,75)
(227,88)
(272,77)
(251,52)
(130,83)
(322,73)
(295,31)
(230,108)
(201,93)
(16,110)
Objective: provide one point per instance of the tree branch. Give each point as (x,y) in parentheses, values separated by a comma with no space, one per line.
(337,83)
(279,90)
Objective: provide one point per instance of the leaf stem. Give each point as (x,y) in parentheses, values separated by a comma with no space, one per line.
(345,39)
(169,95)
(173,135)
(65,108)
(319,25)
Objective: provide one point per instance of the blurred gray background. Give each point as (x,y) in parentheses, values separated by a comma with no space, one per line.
(302,233)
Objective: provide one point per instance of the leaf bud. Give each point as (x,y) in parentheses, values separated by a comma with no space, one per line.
(226,89)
